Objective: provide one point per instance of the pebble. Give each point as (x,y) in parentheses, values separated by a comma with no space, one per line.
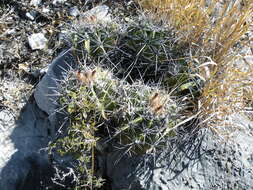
(45,10)
(31,15)
(35,3)
(99,14)
(37,41)
(73,11)
(58,1)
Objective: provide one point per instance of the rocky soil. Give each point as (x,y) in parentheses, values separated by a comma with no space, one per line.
(30,38)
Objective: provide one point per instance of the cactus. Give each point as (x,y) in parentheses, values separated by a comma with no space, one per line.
(96,97)
(139,49)
(126,97)
(135,117)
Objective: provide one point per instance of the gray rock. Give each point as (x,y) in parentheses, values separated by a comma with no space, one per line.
(24,162)
(122,171)
(199,162)
(73,11)
(46,93)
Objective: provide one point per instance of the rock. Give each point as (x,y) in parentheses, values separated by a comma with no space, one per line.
(99,14)
(201,161)
(31,15)
(24,162)
(21,148)
(35,3)
(121,172)
(73,11)
(46,93)
(58,1)
(45,10)
(37,41)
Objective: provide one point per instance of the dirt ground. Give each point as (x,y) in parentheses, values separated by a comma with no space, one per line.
(19,19)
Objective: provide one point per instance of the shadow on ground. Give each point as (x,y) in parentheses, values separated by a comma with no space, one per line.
(28,168)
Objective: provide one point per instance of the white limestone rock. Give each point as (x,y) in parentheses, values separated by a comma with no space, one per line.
(37,41)
(35,3)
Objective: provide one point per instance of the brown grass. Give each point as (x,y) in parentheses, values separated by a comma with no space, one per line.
(228,93)
(213,30)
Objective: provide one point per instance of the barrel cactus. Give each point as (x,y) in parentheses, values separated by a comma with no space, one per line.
(138,48)
(102,108)
(125,94)
(130,115)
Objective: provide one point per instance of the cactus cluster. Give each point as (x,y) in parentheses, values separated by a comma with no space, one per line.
(125,97)
(132,115)
(135,117)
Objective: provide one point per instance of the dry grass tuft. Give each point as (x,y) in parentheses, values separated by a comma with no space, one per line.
(227,93)
(214,29)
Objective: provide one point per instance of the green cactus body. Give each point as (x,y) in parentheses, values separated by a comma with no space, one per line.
(125,97)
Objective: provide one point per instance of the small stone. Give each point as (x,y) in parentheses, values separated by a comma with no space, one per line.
(99,14)
(37,41)
(35,3)
(31,15)
(73,11)
(58,1)
(45,10)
